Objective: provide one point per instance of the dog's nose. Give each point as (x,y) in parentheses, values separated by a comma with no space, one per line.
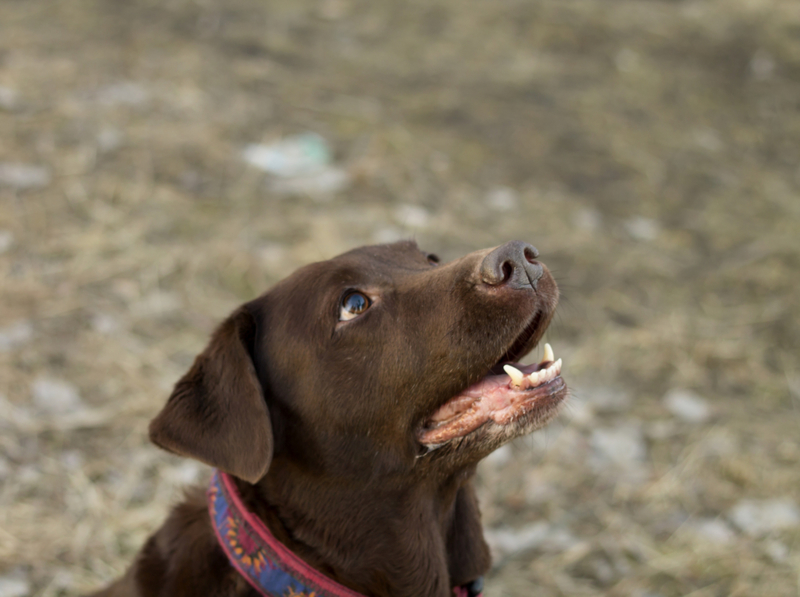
(513,264)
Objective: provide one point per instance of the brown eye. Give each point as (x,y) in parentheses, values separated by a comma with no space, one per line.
(353,305)
(433,259)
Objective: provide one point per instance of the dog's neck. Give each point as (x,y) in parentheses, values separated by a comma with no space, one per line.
(418,541)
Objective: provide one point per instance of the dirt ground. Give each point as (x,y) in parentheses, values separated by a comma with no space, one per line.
(649,148)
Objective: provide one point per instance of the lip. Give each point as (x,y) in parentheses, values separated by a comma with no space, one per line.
(497,399)
(524,343)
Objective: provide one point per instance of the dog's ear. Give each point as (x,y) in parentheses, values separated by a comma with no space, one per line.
(217,413)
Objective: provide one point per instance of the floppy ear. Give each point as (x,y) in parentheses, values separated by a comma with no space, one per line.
(217,413)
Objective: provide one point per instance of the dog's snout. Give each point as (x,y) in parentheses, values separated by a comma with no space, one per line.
(513,264)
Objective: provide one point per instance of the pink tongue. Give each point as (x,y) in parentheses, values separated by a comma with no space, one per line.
(490,398)
(454,406)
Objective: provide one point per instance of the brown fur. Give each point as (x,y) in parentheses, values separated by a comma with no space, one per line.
(316,418)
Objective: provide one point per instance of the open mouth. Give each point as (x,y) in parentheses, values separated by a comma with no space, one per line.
(508,393)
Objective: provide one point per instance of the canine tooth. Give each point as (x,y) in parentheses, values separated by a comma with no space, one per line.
(557,366)
(535,377)
(515,374)
(548,354)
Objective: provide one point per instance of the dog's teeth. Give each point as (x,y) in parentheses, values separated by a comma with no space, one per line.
(548,354)
(535,377)
(557,366)
(515,374)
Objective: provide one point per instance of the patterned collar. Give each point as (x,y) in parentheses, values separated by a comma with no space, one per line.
(267,564)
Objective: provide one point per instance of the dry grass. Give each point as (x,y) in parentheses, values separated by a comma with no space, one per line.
(653,151)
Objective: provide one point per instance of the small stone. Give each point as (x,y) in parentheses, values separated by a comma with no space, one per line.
(713,530)
(388,234)
(506,541)
(687,405)
(28,474)
(412,216)
(55,395)
(15,335)
(105,323)
(185,473)
(23,176)
(271,254)
(588,220)
(72,460)
(6,240)
(644,229)
(9,98)
(14,585)
(502,199)
(777,551)
(761,517)
(109,139)
(622,446)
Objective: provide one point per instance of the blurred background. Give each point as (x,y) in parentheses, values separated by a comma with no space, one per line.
(162,161)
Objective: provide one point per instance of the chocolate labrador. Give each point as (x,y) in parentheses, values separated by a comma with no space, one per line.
(345,411)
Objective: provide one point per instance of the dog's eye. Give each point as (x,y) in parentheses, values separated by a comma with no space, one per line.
(433,259)
(353,305)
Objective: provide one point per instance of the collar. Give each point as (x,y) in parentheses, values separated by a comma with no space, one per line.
(265,562)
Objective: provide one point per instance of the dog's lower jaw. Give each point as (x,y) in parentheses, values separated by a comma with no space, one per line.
(419,542)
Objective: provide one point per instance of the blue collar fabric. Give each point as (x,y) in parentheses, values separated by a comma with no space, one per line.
(269,567)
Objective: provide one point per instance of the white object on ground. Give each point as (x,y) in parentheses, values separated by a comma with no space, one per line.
(760,517)
(305,153)
(15,335)
(55,395)
(687,405)
(23,176)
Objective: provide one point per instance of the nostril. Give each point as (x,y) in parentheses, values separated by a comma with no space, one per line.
(513,264)
(531,253)
(508,270)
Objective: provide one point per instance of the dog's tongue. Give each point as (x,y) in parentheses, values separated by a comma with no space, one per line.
(500,398)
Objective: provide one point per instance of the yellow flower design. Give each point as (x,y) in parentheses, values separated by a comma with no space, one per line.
(292,593)
(244,547)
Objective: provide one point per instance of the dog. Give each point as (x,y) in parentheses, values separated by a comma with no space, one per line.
(345,411)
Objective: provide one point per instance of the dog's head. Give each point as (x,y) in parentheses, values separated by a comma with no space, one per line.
(376,362)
